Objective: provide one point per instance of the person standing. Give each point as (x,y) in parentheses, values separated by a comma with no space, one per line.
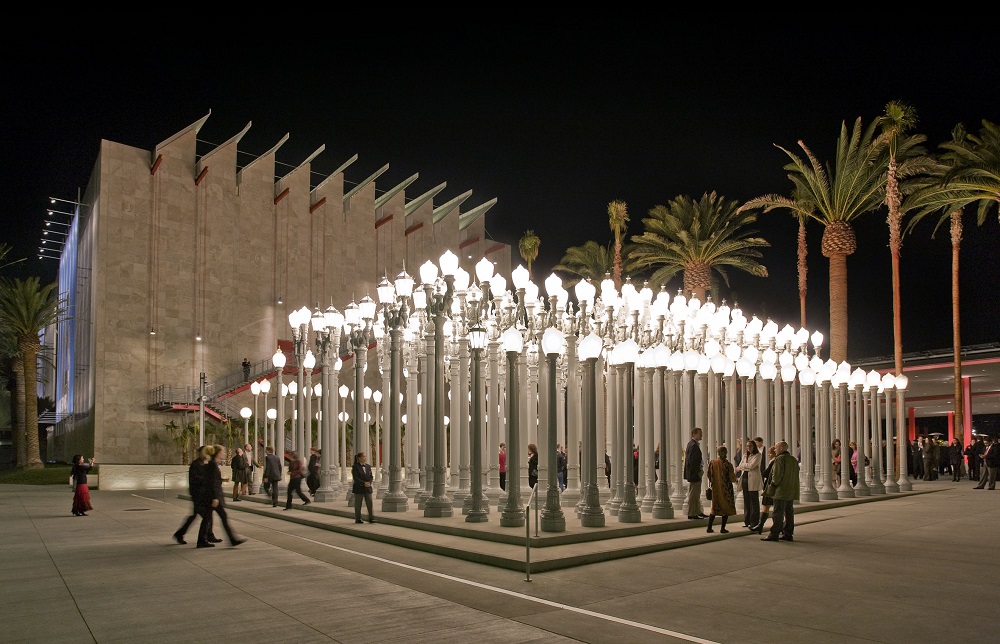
(976,460)
(272,474)
(241,473)
(916,460)
(252,464)
(991,463)
(765,501)
(313,479)
(502,458)
(561,467)
(216,501)
(532,464)
(930,468)
(361,471)
(721,477)
(295,474)
(956,455)
(694,469)
(246,370)
(784,489)
(751,481)
(81,493)
(607,467)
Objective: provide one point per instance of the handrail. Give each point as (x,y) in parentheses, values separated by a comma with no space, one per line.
(527,531)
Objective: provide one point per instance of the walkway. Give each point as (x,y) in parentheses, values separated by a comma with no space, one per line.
(902,569)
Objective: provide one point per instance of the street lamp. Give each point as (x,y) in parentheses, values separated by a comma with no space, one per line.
(479,510)
(343,416)
(553,519)
(246,413)
(513,514)
(279,363)
(856,382)
(807,381)
(591,514)
(873,380)
(255,390)
(627,352)
(904,476)
(299,321)
(439,300)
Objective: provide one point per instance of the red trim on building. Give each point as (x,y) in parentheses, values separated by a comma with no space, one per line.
(284,193)
(414,228)
(156,164)
(316,205)
(383,221)
(201,175)
(495,248)
(468,242)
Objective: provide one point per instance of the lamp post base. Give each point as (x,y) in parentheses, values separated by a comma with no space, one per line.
(395,502)
(438,506)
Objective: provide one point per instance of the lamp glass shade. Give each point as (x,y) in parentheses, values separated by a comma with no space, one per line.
(310,360)
(265,386)
(246,412)
(404,284)
(553,341)
(477,337)
(462,279)
(352,314)
(817,339)
(293,388)
(318,321)
(788,373)
(334,318)
(745,368)
(419,300)
(255,388)
(449,263)
(367,307)
(801,361)
(498,284)
(484,270)
(590,346)
(512,340)
(272,413)
(386,292)
(768,371)
(858,378)
(428,272)
(902,381)
(377,396)
(585,291)
(807,377)
(344,390)
(318,390)
(553,284)
(677,361)
(873,379)
(704,364)
(278,359)
(284,390)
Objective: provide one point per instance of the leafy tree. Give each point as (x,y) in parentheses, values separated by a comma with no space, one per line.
(835,196)
(528,246)
(27,307)
(184,437)
(699,238)
(618,220)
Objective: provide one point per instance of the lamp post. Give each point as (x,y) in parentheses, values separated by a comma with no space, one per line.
(255,389)
(272,414)
(856,383)
(872,380)
(246,413)
(807,380)
(553,519)
(827,491)
(358,319)
(479,509)
(299,321)
(903,439)
(308,364)
(326,328)
(343,416)
(628,351)
(395,301)
(886,385)
(439,299)
(279,434)
(513,514)
(377,460)
(591,514)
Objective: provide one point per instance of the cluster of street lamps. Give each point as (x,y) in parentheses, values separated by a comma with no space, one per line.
(625,368)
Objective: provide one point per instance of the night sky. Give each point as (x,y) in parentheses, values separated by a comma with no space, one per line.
(554,126)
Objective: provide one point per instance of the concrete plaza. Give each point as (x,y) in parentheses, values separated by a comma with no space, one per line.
(898,568)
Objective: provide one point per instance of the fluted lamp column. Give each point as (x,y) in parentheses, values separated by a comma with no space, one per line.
(479,512)
(553,519)
(246,413)
(278,359)
(396,312)
(872,381)
(591,514)
(628,352)
(902,438)
(512,515)
(299,321)
(856,383)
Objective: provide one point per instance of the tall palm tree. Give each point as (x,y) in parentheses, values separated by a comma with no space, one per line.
(27,307)
(589,261)
(699,238)
(906,157)
(528,246)
(618,220)
(835,197)
(968,165)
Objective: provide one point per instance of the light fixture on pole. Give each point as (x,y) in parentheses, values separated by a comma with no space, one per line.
(439,301)
(265,388)
(479,508)
(855,384)
(255,390)
(591,514)
(807,382)
(272,414)
(308,364)
(628,352)
(299,321)
(872,381)
(903,439)
(246,413)
(395,300)
(278,359)
(343,416)
(512,515)
(886,385)
(553,519)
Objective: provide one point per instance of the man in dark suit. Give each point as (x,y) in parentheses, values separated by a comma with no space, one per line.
(196,484)
(694,470)
(272,474)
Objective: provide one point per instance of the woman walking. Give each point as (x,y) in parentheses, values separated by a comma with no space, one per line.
(721,477)
(241,473)
(81,493)
(295,474)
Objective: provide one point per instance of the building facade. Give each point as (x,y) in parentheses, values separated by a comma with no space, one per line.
(179,264)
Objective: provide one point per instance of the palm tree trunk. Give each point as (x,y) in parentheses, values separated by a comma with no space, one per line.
(956,327)
(897,323)
(838,307)
(802,269)
(32,455)
(19,430)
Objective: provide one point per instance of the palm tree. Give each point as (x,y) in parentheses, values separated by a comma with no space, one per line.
(589,261)
(835,197)
(700,238)
(968,164)
(617,219)
(27,307)
(906,157)
(11,354)
(529,248)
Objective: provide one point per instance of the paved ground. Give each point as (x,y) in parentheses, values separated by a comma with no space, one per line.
(918,568)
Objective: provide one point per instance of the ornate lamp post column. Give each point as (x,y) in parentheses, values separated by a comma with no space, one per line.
(591,514)
(841,414)
(253,455)
(856,383)
(327,330)
(885,386)
(807,380)
(344,390)
(513,514)
(827,491)
(439,306)
(627,352)
(396,313)
(478,510)
(553,519)
(299,321)
(246,413)
(279,432)
(358,318)
(872,415)
(903,439)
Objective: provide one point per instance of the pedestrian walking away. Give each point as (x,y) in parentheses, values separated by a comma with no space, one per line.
(721,477)
(296,472)
(196,486)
